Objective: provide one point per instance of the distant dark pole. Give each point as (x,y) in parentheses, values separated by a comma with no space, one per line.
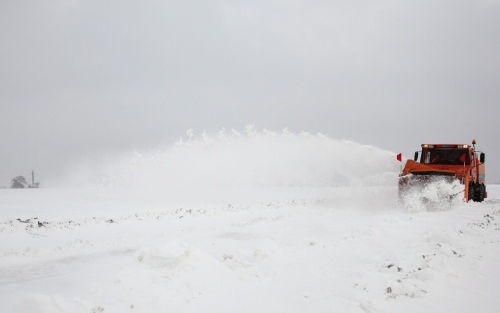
(33,179)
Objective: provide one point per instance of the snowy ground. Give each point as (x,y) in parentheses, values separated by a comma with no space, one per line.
(273,248)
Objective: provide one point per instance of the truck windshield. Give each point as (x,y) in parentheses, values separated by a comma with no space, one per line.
(450,156)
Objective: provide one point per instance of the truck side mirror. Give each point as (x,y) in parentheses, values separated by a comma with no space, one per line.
(415,157)
(481,157)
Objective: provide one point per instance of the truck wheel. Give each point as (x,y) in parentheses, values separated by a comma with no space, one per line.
(478,193)
(482,191)
(471,191)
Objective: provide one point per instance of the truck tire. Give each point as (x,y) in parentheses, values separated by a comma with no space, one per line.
(482,192)
(479,192)
(471,191)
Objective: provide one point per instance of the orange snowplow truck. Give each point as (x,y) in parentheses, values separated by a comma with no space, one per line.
(450,162)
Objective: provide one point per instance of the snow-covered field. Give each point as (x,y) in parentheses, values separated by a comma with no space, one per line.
(254,222)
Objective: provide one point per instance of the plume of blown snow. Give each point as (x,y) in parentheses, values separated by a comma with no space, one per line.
(252,158)
(230,160)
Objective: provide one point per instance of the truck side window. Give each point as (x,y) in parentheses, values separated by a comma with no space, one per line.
(427,157)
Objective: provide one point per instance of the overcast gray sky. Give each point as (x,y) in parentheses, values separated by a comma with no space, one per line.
(86,77)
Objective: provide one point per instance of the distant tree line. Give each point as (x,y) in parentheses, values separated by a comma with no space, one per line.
(21,182)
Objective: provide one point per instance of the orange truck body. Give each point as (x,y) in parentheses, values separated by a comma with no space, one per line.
(451,161)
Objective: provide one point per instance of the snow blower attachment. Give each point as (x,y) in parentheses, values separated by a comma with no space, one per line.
(445,162)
